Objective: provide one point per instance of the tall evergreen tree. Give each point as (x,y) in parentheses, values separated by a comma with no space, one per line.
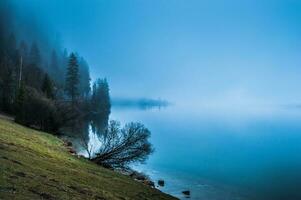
(47,87)
(7,84)
(84,86)
(33,73)
(101,97)
(72,78)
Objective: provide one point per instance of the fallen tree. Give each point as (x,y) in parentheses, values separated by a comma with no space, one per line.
(123,146)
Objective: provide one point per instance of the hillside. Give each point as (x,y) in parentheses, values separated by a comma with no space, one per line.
(36,165)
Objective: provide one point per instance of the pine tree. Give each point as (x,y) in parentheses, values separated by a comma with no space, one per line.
(33,73)
(7,83)
(47,87)
(101,97)
(72,78)
(84,86)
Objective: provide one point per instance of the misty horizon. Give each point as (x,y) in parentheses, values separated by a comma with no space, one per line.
(227,53)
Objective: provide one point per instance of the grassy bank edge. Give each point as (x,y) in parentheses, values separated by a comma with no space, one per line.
(36,165)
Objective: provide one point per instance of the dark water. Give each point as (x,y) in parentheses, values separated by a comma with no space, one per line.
(221,157)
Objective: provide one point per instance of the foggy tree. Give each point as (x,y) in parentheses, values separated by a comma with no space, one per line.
(47,87)
(84,86)
(123,146)
(7,83)
(33,76)
(100,99)
(59,65)
(54,66)
(33,73)
(8,73)
(72,78)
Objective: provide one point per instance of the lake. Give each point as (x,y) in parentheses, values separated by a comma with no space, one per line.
(221,156)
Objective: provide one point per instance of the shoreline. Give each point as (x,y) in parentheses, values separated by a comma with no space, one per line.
(43,162)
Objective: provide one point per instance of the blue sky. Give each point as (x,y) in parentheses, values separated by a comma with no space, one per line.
(236,51)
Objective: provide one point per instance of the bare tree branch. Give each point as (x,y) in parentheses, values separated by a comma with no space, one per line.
(120,147)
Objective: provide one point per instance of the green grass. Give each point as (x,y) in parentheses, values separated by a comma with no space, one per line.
(36,165)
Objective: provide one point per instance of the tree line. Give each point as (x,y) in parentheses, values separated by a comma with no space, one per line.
(36,94)
(45,87)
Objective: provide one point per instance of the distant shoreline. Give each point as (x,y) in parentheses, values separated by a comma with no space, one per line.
(142,103)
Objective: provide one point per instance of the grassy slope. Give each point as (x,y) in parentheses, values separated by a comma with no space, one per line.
(36,165)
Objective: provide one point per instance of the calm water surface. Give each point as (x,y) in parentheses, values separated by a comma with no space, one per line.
(222,157)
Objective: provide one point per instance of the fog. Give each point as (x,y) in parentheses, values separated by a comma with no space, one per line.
(216,82)
(218,55)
